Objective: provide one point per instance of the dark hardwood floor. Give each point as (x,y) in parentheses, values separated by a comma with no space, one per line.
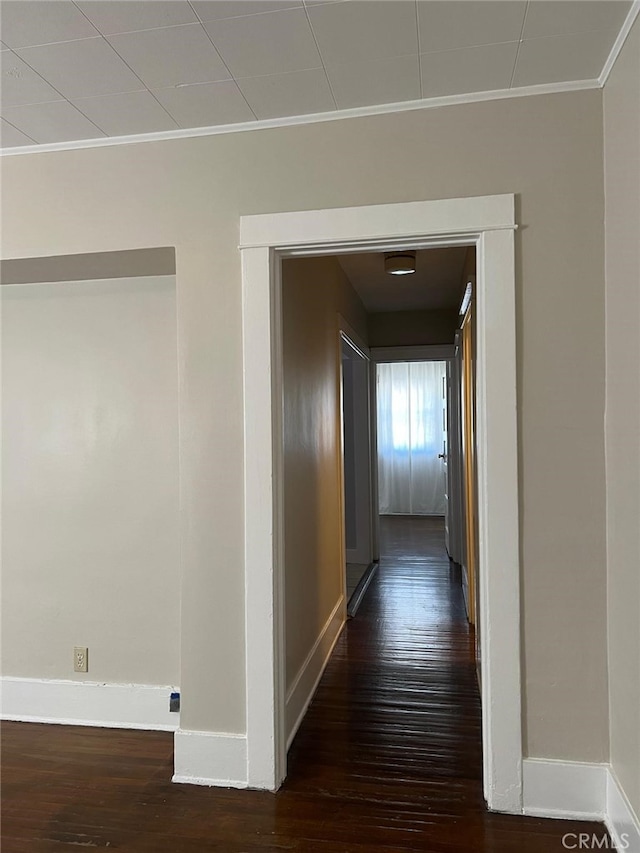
(387,759)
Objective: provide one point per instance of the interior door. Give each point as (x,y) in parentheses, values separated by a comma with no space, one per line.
(444,456)
(356,454)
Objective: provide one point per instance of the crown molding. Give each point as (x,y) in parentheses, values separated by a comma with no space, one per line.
(619,42)
(313,118)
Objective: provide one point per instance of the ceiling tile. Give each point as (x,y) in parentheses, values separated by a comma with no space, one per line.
(11,137)
(565,17)
(470,69)
(130,112)
(295,93)
(447,25)
(171,56)
(59,121)
(215,10)
(560,58)
(42,22)
(362,31)
(82,68)
(21,84)
(125,17)
(357,84)
(205,104)
(266,44)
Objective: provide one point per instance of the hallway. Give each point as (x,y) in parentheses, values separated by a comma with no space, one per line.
(390,749)
(387,759)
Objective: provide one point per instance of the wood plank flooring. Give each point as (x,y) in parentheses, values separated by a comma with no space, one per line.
(388,758)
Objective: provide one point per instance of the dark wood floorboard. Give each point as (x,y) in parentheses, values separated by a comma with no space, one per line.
(387,760)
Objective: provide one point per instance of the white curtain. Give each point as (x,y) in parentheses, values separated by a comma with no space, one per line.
(410,437)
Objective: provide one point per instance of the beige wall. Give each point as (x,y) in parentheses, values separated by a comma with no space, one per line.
(622,192)
(314,292)
(90,480)
(412,328)
(190,194)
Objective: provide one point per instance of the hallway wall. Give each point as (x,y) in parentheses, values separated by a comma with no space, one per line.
(412,328)
(314,292)
(622,193)
(189,193)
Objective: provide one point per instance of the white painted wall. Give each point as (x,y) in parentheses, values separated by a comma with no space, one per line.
(90,480)
(622,424)
(190,194)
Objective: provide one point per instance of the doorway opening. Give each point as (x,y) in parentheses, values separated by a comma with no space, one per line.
(412,437)
(487,223)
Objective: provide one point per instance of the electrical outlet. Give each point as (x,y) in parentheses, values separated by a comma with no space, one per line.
(80,659)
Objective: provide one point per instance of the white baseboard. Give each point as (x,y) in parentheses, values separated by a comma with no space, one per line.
(308,677)
(623,824)
(87,703)
(564,789)
(209,758)
(575,791)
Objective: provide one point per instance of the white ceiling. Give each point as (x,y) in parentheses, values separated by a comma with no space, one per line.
(436,284)
(86,69)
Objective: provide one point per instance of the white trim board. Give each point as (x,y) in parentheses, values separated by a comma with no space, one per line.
(572,790)
(488,223)
(305,684)
(311,118)
(210,758)
(622,823)
(417,224)
(88,703)
(564,789)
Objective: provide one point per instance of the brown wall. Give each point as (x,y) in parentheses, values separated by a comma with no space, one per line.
(314,292)
(412,328)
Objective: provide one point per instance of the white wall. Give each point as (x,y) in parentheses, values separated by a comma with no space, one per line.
(190,193)
(90,480)
(622,212)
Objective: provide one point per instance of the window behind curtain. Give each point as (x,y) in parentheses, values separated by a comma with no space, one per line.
(410,437)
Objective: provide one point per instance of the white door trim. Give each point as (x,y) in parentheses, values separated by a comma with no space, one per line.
(487,222)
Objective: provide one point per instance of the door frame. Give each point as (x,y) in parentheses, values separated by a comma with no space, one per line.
(488,222)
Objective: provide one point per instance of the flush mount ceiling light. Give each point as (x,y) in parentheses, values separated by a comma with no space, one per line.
(400,263)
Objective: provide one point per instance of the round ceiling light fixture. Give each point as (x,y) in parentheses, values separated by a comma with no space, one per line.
(400,263)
